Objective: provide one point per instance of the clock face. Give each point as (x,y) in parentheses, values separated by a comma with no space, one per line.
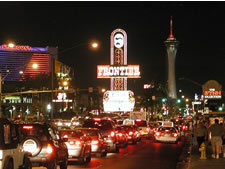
(118,40)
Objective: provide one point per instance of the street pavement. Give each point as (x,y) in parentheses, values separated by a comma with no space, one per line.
(190,158)
(209,163)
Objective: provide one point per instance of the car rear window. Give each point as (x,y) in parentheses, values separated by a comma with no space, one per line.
(171,129)
(101,124)
(70,134)
(141,123)
(32,130)
(90,132)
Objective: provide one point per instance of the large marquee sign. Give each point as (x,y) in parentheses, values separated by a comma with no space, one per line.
(118,98)
(129,71)
(118,71)
(212,90)
(117,101)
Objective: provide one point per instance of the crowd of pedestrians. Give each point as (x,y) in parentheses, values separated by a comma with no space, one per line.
(213,134)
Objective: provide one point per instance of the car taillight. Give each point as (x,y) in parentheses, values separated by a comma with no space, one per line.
(97,119)
(131,133)
(77,143)
(94,142)
(157,133)
(1,154)
(65,136)
(138,120)
(112,134)
(49,149)
(174,134)
(120,134)
(27,127)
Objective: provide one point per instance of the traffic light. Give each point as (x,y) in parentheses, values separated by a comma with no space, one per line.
(220,108)
(178,100)
(163,100)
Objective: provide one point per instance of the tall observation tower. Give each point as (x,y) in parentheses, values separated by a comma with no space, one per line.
(171,45)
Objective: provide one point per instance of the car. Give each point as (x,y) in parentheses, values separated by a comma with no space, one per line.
(121,136)
(78,144)
(166,134)
(43,141)
(12,155)
(143,128)
(131,134)
(98,144)
(107,129)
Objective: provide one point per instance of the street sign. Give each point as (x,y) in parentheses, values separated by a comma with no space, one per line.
(196,102)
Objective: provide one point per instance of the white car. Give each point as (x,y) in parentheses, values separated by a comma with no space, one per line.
(12,155)
(166,134)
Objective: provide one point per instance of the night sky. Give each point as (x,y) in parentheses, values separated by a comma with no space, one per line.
(199,26)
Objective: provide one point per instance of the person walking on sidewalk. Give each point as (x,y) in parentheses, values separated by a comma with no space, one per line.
(201,134)
(216,131)
(223,141)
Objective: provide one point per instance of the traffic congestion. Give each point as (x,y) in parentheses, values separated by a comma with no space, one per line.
(55,143)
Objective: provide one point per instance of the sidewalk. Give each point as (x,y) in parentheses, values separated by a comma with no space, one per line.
(209,163)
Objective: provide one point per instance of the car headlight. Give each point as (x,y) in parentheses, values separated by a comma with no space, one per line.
(1,154)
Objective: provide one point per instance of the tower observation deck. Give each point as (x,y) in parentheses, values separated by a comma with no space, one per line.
(171,45)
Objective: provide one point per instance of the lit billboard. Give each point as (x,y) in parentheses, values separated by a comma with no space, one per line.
(118,101)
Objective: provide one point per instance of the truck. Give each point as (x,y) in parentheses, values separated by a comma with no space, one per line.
(138,115)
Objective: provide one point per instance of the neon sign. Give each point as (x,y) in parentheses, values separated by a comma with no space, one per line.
(62,97)
(16,47)
(213,94)
(106,71)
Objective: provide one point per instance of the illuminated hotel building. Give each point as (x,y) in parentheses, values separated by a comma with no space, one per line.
(17,62)
(171,45)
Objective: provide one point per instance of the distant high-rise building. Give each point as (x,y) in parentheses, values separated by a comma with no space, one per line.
(20,61)
(171,45)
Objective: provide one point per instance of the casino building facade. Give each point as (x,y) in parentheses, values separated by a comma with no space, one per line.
(18,62)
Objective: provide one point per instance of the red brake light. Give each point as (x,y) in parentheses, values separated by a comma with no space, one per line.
(65,136)
(94,142)
(71,142)
(120,134)
(174,135)
(112,134)
(166,130)
(138,120)
(157,133)
(49,149)
(77,142)
(27,127)
(131,133)
(97,119)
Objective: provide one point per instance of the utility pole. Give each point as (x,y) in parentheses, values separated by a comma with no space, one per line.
(52,76)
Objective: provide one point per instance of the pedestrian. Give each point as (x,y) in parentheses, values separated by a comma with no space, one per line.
(216,131)
(201,133)
(194,136)
(223,141)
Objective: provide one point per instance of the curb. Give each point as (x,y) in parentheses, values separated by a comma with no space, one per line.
(184,160)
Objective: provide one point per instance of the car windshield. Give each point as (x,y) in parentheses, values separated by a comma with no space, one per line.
(101,124)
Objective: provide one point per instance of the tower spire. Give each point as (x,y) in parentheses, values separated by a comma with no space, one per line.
(171,37)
